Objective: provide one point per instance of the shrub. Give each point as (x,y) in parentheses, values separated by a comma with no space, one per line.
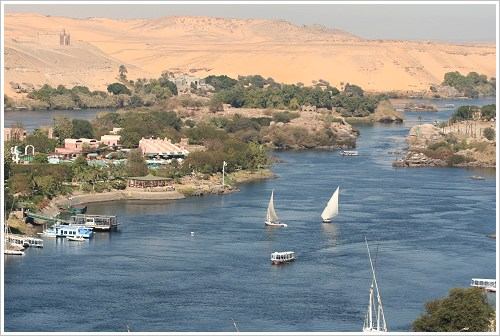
(489,133)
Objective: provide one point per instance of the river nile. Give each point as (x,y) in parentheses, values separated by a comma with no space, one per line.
(427,227)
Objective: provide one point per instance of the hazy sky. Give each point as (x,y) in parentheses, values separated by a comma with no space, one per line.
(458,23)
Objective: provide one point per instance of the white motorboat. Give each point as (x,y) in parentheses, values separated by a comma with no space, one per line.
(75,238)
(349,153)
(271,217)
(332,208)
(490,285)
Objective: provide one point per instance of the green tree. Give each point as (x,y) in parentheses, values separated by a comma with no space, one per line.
(118,88)
(488,111)
(82,129)
(41,142)
(463,309)
(136,165)
(40,158)
(63,128)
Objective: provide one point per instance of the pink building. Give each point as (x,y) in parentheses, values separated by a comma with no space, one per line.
(110,140)
(76,146)
(161,147)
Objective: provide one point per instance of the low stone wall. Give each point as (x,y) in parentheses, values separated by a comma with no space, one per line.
(120,195)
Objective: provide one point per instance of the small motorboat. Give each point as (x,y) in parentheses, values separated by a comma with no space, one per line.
(13,252)
(475,177)
(349,153)
(75,238)
(282,257)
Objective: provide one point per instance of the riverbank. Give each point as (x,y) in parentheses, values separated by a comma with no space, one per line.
(186,187)
(461,144)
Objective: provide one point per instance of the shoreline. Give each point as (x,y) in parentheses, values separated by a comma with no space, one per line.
(183,190)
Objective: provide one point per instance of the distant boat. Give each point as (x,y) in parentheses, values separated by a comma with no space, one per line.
(282,257)
(449,105)
(474,177)
(374,305)
(271,217)
(332,208)
(349,153)
(75,238)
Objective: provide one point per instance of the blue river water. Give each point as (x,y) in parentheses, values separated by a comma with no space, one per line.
(427,229)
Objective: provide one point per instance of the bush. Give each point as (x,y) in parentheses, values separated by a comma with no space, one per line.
(456,159)
(118,88)
(489,133)
(284,117)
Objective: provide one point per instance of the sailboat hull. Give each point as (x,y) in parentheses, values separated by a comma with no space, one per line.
(327,220)
(276,224)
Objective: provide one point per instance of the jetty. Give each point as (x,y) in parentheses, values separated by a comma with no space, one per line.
(96,222)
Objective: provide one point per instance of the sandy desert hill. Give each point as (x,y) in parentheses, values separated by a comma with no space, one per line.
(206,45)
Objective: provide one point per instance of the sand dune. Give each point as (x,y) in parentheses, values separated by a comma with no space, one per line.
(205,45)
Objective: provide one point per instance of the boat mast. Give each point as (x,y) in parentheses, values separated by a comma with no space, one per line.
(380,309)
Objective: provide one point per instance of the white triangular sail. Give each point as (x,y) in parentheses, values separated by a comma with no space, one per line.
(378,324)
(271,213)
(332,208)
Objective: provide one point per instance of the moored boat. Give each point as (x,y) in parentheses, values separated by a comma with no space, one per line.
(332,208)
(271,216)
(282,257)
(489,285)
(64,230)
(75,238)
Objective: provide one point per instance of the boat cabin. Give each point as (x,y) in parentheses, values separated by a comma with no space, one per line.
(282,257)
(488,284)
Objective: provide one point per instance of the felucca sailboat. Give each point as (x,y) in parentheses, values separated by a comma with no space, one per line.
(332,208)
(374,306)
(271,217)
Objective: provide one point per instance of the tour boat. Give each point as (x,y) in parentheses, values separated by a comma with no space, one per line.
(64,230)
(349,153)
(282,257)
(371,324)
(75,238)
(332,208)
(489,285)
(271,218)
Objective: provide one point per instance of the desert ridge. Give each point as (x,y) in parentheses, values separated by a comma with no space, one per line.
(204,45)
